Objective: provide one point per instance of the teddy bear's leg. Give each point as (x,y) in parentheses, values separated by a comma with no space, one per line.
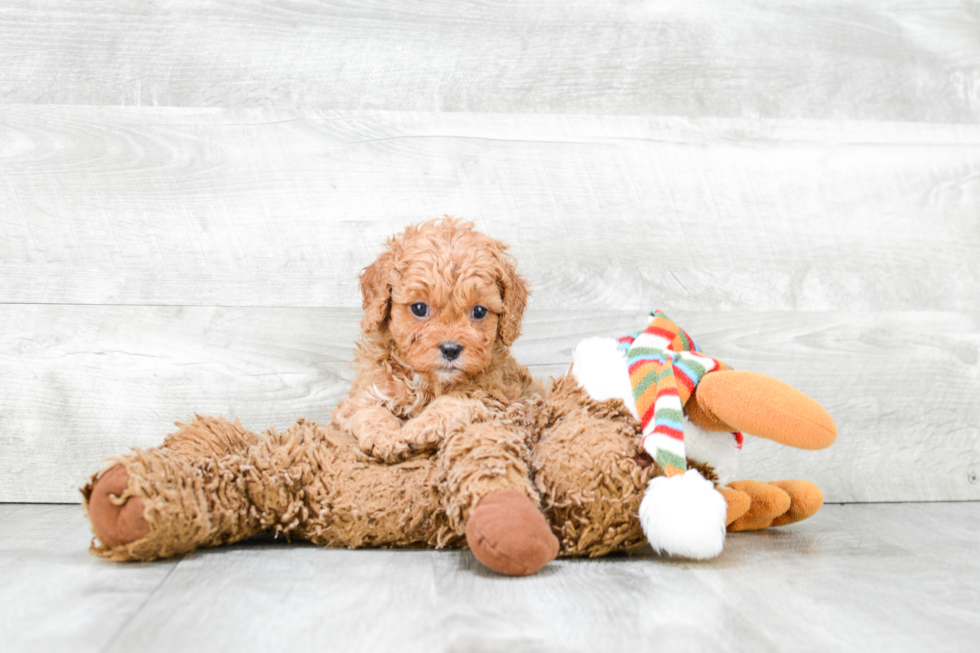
(213,482)
(762,406)
(488,489)
(175,498)
(591,472)
(209,437)
(313,482)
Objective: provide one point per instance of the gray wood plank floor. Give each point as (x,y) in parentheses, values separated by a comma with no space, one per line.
(859,577)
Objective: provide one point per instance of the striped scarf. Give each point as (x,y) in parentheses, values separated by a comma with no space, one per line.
(665,366)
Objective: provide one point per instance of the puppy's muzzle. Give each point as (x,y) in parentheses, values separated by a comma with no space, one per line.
(451,350)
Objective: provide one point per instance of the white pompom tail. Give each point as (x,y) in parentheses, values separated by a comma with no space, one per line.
(684,516)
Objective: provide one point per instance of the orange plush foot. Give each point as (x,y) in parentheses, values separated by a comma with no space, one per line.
(738,503)
(768,503)
(508,534)
(762,406)
(115,523)
(805,500)
(777,503)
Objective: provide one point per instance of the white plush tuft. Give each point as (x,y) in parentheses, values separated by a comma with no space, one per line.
(600,367)
(684,516)
(716,448)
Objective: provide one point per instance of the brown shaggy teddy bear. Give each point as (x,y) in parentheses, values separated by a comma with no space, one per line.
(445,439)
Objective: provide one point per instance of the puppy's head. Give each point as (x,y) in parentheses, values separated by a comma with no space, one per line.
(445,295)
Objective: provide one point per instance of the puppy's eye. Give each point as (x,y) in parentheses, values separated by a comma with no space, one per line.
(479,312)
(420,309)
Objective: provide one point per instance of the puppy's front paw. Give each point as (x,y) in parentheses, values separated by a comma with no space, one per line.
(387,447)
(423,433)
(442,417)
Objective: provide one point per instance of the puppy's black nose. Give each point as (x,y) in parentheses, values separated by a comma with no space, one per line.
(451,350)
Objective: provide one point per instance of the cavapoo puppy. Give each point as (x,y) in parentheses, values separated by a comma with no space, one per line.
(442,306)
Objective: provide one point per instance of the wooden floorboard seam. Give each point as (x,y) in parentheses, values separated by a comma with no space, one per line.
(122,628)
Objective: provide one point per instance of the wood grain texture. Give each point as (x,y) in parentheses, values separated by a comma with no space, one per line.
(872,60)
(283,208)
(814,586)
(189,189)
(54,596)
(86,382)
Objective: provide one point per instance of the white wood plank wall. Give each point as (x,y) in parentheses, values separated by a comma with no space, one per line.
(188,190)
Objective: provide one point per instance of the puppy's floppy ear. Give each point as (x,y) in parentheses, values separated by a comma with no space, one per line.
(514,292)
(375,283)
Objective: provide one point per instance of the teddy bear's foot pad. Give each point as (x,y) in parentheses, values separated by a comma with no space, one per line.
(508,534)
(116,522)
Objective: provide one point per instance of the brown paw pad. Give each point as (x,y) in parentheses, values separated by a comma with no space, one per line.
(113,523)
(508,534)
